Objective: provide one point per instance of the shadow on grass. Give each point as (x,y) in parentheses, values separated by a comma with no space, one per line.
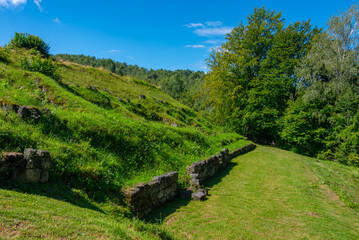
(219,176)
(51,190)
(160,214)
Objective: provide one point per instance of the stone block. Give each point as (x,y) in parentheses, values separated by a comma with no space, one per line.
(32,175)
(44,178)
(45,159)
(29,113)
(186,194)
(198,196)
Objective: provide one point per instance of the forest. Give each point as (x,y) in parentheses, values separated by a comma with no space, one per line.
(290,84)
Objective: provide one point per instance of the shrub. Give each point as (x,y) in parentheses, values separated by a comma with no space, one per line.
(45,66)
(24,40)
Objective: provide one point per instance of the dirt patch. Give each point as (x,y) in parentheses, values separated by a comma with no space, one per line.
(15,230)
(331,194)
(171,220)
(313,214)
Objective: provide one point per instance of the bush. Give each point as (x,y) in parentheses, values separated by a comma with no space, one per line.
(3,55)
(45,66)
(24,40)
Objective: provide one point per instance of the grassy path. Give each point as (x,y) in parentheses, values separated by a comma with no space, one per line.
(268,194)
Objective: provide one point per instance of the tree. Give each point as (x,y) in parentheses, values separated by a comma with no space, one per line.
(251,76)
(329,93)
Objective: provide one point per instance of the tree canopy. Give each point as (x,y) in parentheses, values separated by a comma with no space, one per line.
(251,76)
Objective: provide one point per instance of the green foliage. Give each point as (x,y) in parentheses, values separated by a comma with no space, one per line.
(323,120)
(251,76)
(24,40)
(45,66)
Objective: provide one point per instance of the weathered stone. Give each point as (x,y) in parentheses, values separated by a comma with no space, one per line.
(29,113)
(160,194)
(45,158)
(33,160)
(186,194)
(142,97)
(131,194)
(32,175)
(198,196)
(128,100)
(44,177)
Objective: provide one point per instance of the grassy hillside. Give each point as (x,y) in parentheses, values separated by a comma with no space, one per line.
(273,194)
(99,140)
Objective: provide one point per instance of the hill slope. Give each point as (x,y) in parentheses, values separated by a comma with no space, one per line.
(273,194)
(99,132)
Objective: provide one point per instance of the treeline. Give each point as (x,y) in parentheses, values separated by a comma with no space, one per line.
(182,85)
(290,85)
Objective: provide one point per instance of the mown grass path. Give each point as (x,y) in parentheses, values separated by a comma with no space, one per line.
(266,194)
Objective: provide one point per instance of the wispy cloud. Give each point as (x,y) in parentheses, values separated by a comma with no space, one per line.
(16,3)
(38,4)
(214,23)
(12,3)
(218,31)
(56,20)
(195,46)
(194,25)
(212,41)
(113,51)
(213,30)
(208,29)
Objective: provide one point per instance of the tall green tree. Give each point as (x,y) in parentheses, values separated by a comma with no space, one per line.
(329,94)
(251,76)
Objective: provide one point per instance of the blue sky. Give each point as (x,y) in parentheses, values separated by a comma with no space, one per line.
(154,34)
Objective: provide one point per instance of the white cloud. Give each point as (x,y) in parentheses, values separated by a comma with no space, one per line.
(12,3)
(212,41)
(208,29)
(194,25)
(38,4)
(206,32)
(195,46)
(214,24)
(113,51)
(56,20)
(16,3)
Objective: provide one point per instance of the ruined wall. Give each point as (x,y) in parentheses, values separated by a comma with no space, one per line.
(32,166)
(202,170)
(144,197)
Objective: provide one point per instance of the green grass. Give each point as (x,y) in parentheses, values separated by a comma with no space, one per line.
(31,216)
(271,194)
(98,142)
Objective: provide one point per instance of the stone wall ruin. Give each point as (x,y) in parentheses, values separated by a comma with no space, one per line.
(32,166)
(144,197)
